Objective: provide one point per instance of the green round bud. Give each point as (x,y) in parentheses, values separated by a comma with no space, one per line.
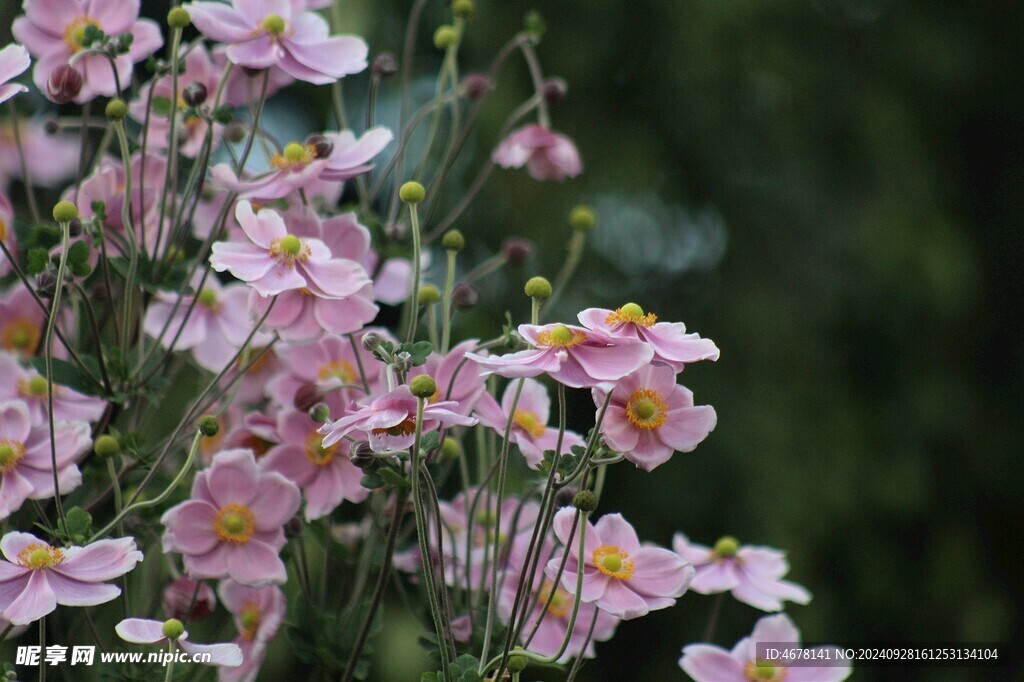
(583,218)
(445,37)
(412,192)
(65,212)
(423,386)
(585,501)
(517,663)
(320,413)
(450,448)
(429,295)
(453,240)
(173,628)
(106,446)
(116,109)
(727,546)
(209,426)
(538,287)
(463,8)
(178,18)
(274,24)
(290,244)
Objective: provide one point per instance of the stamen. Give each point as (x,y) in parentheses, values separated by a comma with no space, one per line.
(21,335)
(317,453)
(404,428)
(561,337)
(646,409)
(11,452)
(630,313)
(294,156)
(529,422)
(234,523)
(38,555)
(612,561)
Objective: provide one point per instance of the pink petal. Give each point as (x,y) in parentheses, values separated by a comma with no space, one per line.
(234,477)
(336,278)
(718,576)
(708,663)
(229,655)
(190,525)
(660,573)
(621,601)
(276,500)
(255,564)
(245,261)
(220,22)
(140,630)
(35,601)
(612,529)
(686,427)
(612,362)
(114,16)
(70,592)
(263,227)
(100,560)
(258,53)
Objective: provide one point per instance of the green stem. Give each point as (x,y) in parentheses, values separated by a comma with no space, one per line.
(446,303)
(413,308)
(26,178)
(129,228)
(170,662)
(51,325)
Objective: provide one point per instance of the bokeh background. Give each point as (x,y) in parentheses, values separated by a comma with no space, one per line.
(832,190)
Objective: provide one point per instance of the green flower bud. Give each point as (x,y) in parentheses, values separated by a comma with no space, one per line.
(106,446)
(450,448)
(445,37)
(116,109)
(453,240)
(173,628)
(727,546)
(538,287)
(65,212)
(209,426)
(178,18)
(517,663)
(429,295)
(320,413)
(583,217)
(412,192)
(585,501)
(423,386)
(463,8)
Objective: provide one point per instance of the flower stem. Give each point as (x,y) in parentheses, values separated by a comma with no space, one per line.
(414,303)
(51,325)
(446,303)
(30,192)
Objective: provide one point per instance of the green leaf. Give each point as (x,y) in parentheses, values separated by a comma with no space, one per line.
(372,481)
(38,259)
(70,375)
(224,114)
(391,476)
(161,106)
(79,524)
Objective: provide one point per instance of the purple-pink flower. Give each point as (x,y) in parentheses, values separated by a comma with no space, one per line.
(650,416)
(753,574)
(574,356)
(145,631)
(325,474)
(710,663)
(49,157)
(258,613)
(275,261)
(14,60)
(234,524)
(54,31)
(7,235)
(36,576)
(32,389)
(671,344)
(619,575)
(547,155)
(269,33)
(456,379)
(26,458)
(188,599)
(389,421)
(530,430)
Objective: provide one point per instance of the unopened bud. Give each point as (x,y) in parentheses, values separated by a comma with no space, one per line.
(235,132)
(64,211)
(563,498)
(445,37)
(516,251)
(178,18)
(384,65)
(412,192)
(370,342)
(106,446)
(194,94)
(423,386)
(477,85)
(538,287)
(173,628)
(429,295)
(320,413)
(64,84)
(453,240)
(306,397)
(322,145)
(209,426)
(463,8)
(46,284)
(116,109)
(555,89)
(362,455)
(450,448)
(465,296)
(583,218)
(585,501)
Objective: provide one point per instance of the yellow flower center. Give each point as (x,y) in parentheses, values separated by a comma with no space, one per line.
(274,24)
(38,555)
(338,369)
(289,249)
(561,337)
(561,602)
(74,33)
(234,523)
(726,547)
(630,313)
(20,335)
(646,409)
(11,452)
(254,352)
(612,561)
(764,671)
(250,620)
(529,422)
(404,428)
(294,156)
(317,453)
(36,387)
(208,298)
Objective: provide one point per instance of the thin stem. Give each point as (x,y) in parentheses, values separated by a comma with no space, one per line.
(26,178)
(572,261)
(51,325)
(170,662)
(414,296)
(129,227)
(716,609)
(446,303)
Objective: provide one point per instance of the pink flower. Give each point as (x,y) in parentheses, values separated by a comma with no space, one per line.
(671,344)
(456,380)
(29,387)
(26,458)
(145,631)
(553,623)
(574,356)
(36,576)
(753,574)
(619,575)
(53,31)
(547,155)
(216,328)
(529,421)
(650,417)
(325,473)
(7,234)
(234,524)
(178,599)
(21,322)
(389,421)
(710,663)
(199,68)
(258,613)
(339,157)
(50,158)
(299,317)
(268,33)
(275,261)
(14,60)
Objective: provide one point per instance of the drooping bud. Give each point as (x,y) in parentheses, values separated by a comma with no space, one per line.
(320,413)
(564,497)
(64,84)
(429,295)
(116,109)
(465,296)
(322,145)
(453,240)
(555,89)
(384,65)
(209,426)
(423,386)
(370,342)
(235,132)
(477,85)
(412,192)
(307,396)
(173,628)
(64,211)
(585,501)
(194,94)
(516,251)
(538,288)
(106,446)
(362,454)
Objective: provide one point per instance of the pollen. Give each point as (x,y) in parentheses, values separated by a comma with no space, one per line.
(764,671)
(3,230)
(529,422)
(11,452)
(20,335)
(208,298)
(646,409)
(234,523)
(403,428)
(338,369)
(294,156)
(317,453)
(561,602)
(38,555)
(36,387)
(250,620)
(289,249)
(630,313)
(74,33)
(561,337)
(612,561)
